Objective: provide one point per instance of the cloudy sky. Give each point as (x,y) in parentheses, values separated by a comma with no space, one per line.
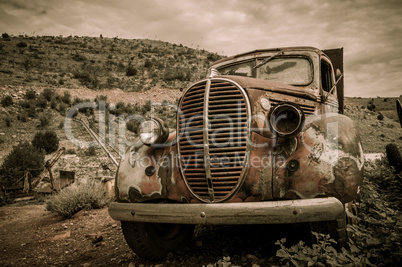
(370,31)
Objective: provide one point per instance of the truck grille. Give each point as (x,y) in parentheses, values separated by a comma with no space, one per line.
(212,161)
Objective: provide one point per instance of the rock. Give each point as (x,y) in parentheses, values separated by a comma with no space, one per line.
(60,236)
(95,238)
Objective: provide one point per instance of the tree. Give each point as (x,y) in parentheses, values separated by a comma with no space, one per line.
(46,141)
(24,157)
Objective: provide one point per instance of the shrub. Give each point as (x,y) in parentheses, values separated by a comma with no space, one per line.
(70,151)
(30,94)
(22,117)
(321,254)
(147,106)
(7,101)
(131,71)
(371,107)
(31,112)
(76,197)
(41,102)
(53,103)
(5,35)
(22,44)
(133,126)
(91,151)
(46,141)
(148,63)
(8,121)
(48,93)
(24,157)
(62,108)
(66,98)
(380,116)
(44,120)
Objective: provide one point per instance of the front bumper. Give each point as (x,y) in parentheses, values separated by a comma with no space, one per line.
(267,212)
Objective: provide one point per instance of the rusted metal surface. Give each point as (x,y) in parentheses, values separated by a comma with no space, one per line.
(227,150)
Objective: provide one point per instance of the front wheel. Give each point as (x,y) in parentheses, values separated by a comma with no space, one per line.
(154,241)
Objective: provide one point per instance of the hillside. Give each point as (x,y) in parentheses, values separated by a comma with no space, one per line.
(99,63)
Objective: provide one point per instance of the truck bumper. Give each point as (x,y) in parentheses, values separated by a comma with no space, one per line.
(267,212)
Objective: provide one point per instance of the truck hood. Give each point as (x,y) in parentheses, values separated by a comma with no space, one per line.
(253,83)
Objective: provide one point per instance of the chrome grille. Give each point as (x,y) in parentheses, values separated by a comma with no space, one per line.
(213,172)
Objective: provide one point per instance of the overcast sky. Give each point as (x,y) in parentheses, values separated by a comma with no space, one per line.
(369,31)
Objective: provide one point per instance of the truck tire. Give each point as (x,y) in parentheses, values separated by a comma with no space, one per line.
(394,157)
(336,229)
(153,241)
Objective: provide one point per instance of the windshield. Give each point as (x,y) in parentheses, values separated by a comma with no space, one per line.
(289,70)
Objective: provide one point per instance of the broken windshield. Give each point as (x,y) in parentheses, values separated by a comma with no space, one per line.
(289,70)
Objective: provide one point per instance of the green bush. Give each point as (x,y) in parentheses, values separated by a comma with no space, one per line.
(31,112)
(44,120)
(371,106)
(66,98)
(380,116)
(131,71)
(76,197)
(30,94)
(321,254)
(48,94)
(22,117)
(53,103)
(22,44)
(46,141)
(133,126)
(7,101)
(147,106)
(41,102)
(91,151)
(24,157)
(8,121)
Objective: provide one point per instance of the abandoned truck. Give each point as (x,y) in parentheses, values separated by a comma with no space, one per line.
(261,140)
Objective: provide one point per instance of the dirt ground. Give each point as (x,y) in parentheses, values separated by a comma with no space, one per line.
(32,236)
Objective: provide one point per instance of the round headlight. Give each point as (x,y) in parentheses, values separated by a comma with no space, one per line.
(286,119)
(152,132)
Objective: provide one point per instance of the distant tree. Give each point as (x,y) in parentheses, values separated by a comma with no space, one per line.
(148,63)
(22,44)
(131,71)
(24,157)
(46,141)
(7,101)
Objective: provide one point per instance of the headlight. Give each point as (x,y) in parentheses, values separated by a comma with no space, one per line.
(286,119)
(153,131)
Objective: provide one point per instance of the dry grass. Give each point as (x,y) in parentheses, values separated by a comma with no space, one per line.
(76,197)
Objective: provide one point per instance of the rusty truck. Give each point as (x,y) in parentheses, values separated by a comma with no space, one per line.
(261,140)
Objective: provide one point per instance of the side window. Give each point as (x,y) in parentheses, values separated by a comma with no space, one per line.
(326,76)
